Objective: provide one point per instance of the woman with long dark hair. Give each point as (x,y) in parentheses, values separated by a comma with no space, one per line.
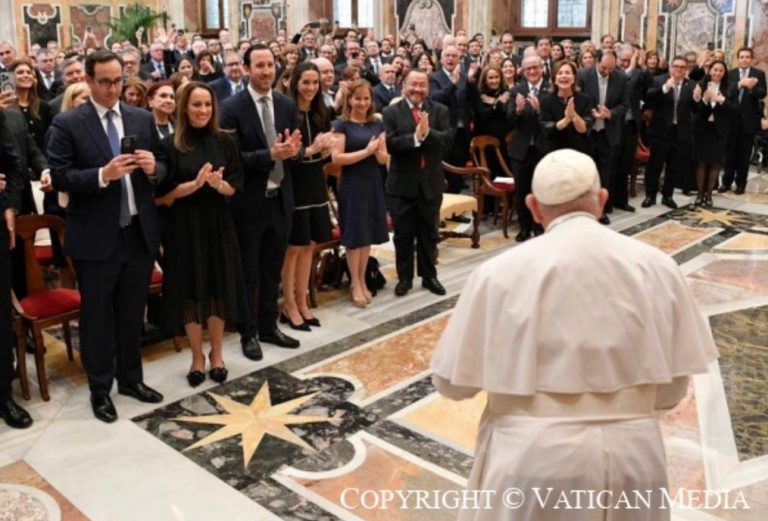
(311,220)
(711,128)
(490,108)
(36,111)
(203,280)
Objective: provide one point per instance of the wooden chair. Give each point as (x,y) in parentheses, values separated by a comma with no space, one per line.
(502,193)
(320,265)
(21,354)
(642,155)
(459,203)
(44,307)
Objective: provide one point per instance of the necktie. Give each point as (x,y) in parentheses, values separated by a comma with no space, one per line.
(602,87)
(416,113)
(114,144)
(742,75)
(239,87)
(535,92)
(48,81)
(676,94)
(276,176)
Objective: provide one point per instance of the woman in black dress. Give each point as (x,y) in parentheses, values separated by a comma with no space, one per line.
(205,70)
(711,128)
(490,107)
(36,111)
(360,148)
(566,114)
(311,220)
(203,281)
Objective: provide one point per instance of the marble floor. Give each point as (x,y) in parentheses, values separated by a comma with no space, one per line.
(304,433)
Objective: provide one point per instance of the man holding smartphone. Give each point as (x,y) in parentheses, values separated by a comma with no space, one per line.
(104,155)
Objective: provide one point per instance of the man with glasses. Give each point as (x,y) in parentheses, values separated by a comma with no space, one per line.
(103,154)
(671,132)
(232,81)
(132,65)
(157,68)
(523,117)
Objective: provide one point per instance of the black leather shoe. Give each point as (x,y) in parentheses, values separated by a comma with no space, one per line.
(403,287)
(279,339)
(433,285)
(669,202)
(314,321)
(303,326)
(141,392)
(195,378)
(218,374)
(625,207)
(13,414)
(103,408)
(251,349)
(739,190)
(523,235)
(608,209)
(459,219)
(538,230)
(722,189)
(604,220)
(648,202)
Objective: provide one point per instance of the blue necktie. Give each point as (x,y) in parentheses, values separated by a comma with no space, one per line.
(114,144)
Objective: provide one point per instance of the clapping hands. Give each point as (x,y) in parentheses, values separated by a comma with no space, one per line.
(286,146)
(207,175)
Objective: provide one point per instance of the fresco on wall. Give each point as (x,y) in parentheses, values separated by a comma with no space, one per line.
(695,28)
(759,40)
(261,19)
(661,35)
(95,17)
(427,20)
(42,23)
(633,15)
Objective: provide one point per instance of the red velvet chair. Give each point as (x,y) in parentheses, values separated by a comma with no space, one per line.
(44,307)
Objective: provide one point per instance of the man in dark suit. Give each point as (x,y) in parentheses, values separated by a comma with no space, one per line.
(523,118)
(448,86)
(418,130)
(747,96)
(10,189)
(232,82)
(608,88)
(386,90)
(671,132)
(158,68)
(46,75)
(266,123)
(112,229)
(544,50)
(71,72)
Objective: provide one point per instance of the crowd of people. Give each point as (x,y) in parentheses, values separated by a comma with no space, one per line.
(207,157)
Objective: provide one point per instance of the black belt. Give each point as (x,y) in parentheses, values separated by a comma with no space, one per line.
(272,192)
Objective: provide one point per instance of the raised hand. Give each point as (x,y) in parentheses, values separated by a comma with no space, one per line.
(697,94)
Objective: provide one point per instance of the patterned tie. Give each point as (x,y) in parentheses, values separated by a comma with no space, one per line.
(276,176)
(416,113)
(114,144)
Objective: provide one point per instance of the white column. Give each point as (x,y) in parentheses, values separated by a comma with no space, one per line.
(601,20)
(8,27)
(297,16)
(479,18)
(176,14)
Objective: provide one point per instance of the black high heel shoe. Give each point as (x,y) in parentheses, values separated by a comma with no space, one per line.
(312,321)
(699,200)
(218,374)
(195,378)
(304,326)
(708,201)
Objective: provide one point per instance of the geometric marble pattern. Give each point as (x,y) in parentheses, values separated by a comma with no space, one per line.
(672,237)
(743,273)
(746,241)
(25,495)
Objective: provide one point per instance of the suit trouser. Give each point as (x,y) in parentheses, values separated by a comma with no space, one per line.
(625,162)
(415,219)
(457,156)
(6,345)
(737,158)
(523,172)
(262,250)
(671,151)
(114,293)
(606,162)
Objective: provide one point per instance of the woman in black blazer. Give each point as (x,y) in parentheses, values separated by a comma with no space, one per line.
(711,128)
(566,114)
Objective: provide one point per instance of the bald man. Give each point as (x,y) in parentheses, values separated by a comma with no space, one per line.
(573,383)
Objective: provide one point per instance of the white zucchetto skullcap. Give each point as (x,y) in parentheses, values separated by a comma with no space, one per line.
(562,176)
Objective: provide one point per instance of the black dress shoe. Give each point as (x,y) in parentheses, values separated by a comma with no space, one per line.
(538,230)
(251,349)
(608,209)
(314,322)
(625,207)
(140,391)
(103,408)
(669,202)
(13,414)
(459,219)
(296,327)
(279,339)
(648,202)
(687,192)
(433,285)
(218,374)
(523,235)
(195,378)
(739,190)
(403,287)
(722,189)
(604,220)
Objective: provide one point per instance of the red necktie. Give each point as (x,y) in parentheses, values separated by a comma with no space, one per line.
(416,113)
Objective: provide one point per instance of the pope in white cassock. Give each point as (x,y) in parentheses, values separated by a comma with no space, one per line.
(579,337)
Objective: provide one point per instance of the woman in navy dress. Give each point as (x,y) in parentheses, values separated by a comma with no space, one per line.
(360,149)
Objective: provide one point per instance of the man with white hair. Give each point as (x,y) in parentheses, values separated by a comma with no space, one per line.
(579,337)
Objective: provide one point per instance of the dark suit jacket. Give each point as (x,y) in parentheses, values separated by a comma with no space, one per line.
(525,125)
(663,109)
(222,89)
(148,68)
(454,96)
(725,115)
(636,87)
(44,93)
(382,96)
(239,113)
(30,156)
(11,167)
(749,107)
(77,150)
(405,178)
(616,99)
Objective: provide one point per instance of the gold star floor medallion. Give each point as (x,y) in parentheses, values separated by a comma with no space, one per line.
(253,421)
(725,217)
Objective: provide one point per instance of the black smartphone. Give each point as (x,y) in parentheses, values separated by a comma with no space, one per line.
(8,82)
(314,25)
(128,145)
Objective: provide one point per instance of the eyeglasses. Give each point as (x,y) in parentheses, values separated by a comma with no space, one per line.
(106,84)
(233,64)
(678,66)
